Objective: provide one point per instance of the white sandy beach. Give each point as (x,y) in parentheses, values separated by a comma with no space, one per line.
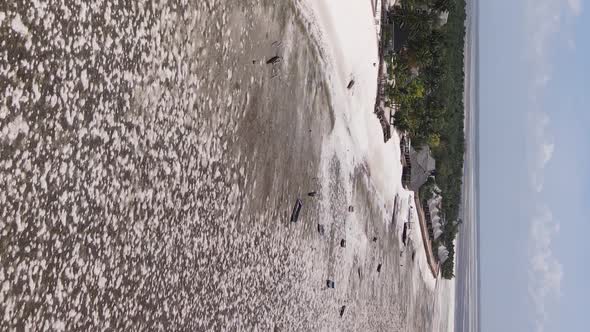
(347,34)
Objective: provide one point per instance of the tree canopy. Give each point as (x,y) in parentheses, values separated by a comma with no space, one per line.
(428,90)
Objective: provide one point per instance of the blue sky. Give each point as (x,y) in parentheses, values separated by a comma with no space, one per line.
(535,155)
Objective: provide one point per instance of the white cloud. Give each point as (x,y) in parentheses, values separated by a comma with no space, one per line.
(548,23)
(545,21)
(546,153)
(543,148)
(537,182)
(545,270)
(575,6)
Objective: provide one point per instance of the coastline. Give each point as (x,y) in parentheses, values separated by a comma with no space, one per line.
(467,300)
(325,20)
(166,202)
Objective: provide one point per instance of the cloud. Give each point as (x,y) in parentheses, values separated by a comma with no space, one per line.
(543,148)
(546,23)
(546,152)
(545,270)
(537,182)
(575,7)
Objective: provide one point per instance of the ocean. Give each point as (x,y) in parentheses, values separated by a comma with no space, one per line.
(467,301)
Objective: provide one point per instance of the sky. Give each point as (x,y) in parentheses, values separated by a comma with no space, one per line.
(534,166)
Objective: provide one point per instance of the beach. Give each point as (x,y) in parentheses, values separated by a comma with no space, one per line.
(153,154)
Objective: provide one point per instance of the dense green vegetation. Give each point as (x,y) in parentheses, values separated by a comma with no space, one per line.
(428,90)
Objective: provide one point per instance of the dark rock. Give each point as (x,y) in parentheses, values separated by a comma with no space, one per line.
(273,60)
(405,234)
(343,243)
(321,229)
(296,210)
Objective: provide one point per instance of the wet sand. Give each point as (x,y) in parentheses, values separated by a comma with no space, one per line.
(151,162)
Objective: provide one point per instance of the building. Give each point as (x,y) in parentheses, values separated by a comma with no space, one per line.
(423,166)
(395,38)
(435,221)
(405,146)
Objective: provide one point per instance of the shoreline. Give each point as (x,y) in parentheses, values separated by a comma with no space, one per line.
(387,127)
(329,40)
(166,202)
(468,297)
